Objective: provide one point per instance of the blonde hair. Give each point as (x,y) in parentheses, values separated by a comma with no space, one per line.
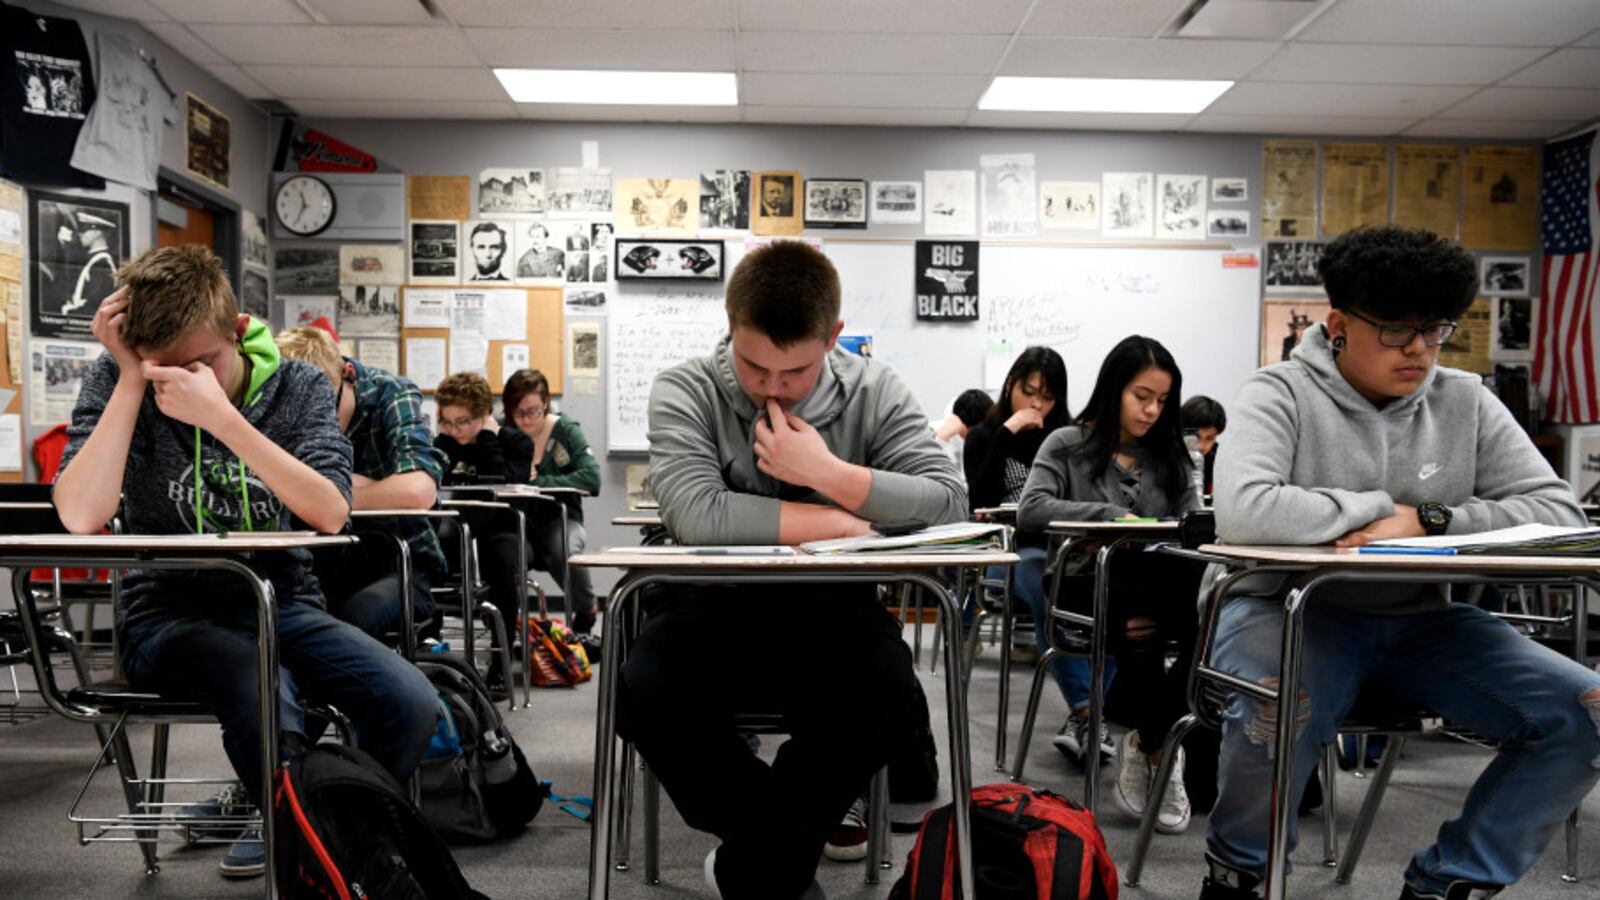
(315,346)
(467,390)
(173,291)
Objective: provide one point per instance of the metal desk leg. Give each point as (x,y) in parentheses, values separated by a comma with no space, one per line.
(1004,714)
(1097,673)
(1283,761)
(522,616)
(469,593)
(960,756)
(267,676)
(1580,650)
(605,742)
(566,578)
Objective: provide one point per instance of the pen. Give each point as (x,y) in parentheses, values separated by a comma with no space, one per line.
(1409,551)
(744,551)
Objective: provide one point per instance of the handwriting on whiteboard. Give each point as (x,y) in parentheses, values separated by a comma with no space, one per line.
(653,334)
(1039,318)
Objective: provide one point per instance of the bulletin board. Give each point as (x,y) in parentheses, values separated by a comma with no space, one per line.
(545,330)
(14,405)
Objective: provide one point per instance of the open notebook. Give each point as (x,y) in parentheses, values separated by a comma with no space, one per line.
(957,537)
(1521,540)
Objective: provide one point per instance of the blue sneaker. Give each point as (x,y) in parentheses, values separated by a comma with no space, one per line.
(247,858)
(227,806)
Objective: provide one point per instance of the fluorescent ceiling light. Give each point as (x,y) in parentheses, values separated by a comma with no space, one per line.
(581,86)
(1101,95)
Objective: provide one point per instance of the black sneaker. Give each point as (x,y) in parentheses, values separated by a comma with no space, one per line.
(1460,890)
(1227,883)
(228,809)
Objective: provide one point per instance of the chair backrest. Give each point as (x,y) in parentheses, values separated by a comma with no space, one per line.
(25,492)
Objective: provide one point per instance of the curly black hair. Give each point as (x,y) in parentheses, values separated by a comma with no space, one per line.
(1399,274)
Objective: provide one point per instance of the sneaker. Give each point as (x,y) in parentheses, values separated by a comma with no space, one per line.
(848,842)
(232,802)
(1132,789)
(1227,883)
(1072,737)
(247,858)
(1173,817)
(1460,890)
(1027,654)
(812,893)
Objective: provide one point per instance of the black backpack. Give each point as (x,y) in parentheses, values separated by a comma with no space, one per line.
(476,784)
(345,829)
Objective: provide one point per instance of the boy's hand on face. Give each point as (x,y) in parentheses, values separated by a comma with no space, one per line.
(1403,524)
(190,394)
(107,329)
(790,450)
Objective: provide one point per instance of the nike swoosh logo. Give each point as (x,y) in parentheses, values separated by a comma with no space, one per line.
(1429,470)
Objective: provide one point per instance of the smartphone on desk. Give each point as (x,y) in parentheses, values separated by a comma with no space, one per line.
(897,527)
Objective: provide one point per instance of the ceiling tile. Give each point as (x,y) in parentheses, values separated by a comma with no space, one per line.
(308,45)
(181,39)
(1548,23)
(1102,18)
(1263,19)
(884,16)
(547,48)
(560,112)
(772,51)
(1495,129)
(920,91)
(1296,125)
(402,109)
(1527,103)
(994,118)
(1395,63)
(834,115)
(239,80)
(235,12)
(139,10)
(676,15)
(1572,67)
(1592,40)
(1111,58)
(373,12)
(1254,98)
(379,82)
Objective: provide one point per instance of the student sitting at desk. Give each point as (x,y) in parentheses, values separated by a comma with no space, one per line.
(195,420)
(966,412)
(396,466)
(1361,436)
(561,459)
(778,437)
(1125,457)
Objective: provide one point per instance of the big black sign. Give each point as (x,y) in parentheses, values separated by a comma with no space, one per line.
(947,281)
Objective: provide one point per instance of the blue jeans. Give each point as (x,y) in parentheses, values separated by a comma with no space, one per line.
(1460,662)
(208,656)
(1070,672)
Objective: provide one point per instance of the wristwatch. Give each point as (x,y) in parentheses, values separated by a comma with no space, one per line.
(1435,517)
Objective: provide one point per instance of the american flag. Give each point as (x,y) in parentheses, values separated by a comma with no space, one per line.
(1569,325)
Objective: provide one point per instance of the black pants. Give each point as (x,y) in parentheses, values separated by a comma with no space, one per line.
(362,586)
(830,659)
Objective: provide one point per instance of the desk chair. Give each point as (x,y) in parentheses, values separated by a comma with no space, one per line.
(468,592)
(88,592)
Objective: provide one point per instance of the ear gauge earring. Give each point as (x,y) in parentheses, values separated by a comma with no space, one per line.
(1338,344)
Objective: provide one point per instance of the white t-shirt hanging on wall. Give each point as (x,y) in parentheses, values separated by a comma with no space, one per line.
(121,141)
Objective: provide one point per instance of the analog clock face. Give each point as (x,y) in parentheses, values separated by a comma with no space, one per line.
(304,205)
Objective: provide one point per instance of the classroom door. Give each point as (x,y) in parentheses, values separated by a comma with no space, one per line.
(182,222)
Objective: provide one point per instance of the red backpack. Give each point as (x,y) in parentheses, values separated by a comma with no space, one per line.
(1027,844)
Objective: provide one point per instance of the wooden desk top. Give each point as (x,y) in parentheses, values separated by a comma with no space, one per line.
(187,544)
(641,521)
(26,504)
(1344,557)
(622,558)
(403,513)
(530,490)
(474,504)
(1003,511)
(1113,527)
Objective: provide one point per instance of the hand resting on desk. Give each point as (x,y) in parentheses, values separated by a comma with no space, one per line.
(1404,523)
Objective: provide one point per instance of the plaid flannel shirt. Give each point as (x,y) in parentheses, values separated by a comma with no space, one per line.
(391,436)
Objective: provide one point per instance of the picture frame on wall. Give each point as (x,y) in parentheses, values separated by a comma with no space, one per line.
(207,142)
(1504,276)
(77,245)
(668,259)
(836,203)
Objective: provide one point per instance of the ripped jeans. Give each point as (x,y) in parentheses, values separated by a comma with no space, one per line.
(1460,662)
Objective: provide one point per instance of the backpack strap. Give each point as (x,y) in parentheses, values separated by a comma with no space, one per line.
(933,857)
(1068,862)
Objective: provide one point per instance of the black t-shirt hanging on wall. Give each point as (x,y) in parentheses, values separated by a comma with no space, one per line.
(46,89)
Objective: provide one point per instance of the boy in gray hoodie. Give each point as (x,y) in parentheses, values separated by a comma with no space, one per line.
(779,437)
(1361,436)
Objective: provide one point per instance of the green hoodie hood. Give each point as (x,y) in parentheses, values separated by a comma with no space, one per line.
(262,351)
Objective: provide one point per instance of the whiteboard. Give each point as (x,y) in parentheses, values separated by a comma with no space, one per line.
(1079,300)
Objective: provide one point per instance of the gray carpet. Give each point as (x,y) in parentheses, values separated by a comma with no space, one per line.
(43,761)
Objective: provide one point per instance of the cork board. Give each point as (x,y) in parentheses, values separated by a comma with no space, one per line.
(545,316)
(15,404)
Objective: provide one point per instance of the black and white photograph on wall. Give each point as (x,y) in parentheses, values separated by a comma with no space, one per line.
(503,191)
(372,264)
(52,86)
(947,281)
(725,199)
(369,310)
(896,203)
(1228,223)
(836,203)
(1513,327)
(578,192)
(641,258)
(306,270)
(1292,266)
(207,142)
(950,201)
(585,300)
(489,250)
(1069,205)
(576,235)
(600,251)
(540,255)
(577,266)
(1230,190)
(1127,201)
(435,251)
(657,207)
(255,239)
(1503,276)
(1010,197)
(77,246)
(254,294)
(1181,207)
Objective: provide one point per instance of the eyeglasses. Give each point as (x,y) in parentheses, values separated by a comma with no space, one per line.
(455,424)
(1396,335)
(528,415)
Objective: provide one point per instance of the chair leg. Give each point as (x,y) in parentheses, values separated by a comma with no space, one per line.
(937,648)
(80,667)
(624,825)
(129,776)
(1570,874)
(878,826)
(491,613)
(1147,824)
(973,637)
(1026,737)
(916,624)
(1330,808)
(652,827)
(1369,809)
(155,791)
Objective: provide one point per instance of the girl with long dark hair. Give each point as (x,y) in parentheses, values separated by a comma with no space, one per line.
(1123,457)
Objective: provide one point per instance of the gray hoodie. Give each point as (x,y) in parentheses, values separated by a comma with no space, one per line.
(703,464)
(1309,459)
(1065,488)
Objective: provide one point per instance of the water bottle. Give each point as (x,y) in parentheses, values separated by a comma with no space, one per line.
(1197,476)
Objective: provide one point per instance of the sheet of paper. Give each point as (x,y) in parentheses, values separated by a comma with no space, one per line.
(439,197)
(512,358)
(379,354)
(1289,188)
(425,361)
(299,312)
(6,395)
(427,308)
(466,315)
(1502,198)
(469,354)
(583,349)
(1355,186)
(10,443)
(55,375)
(12,312)
(1427,187)
(10,219)
(506,315)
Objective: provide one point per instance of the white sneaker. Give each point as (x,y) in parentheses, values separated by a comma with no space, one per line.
(1173,817)
(1132,790)
(711,874)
